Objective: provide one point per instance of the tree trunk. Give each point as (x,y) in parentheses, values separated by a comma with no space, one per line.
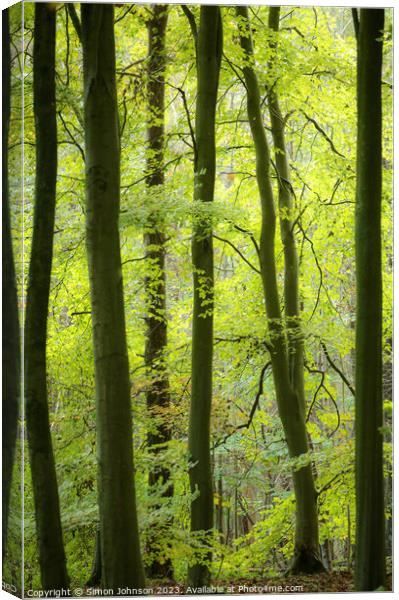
(209,49)
(370,526)
(10,337)
(157,395)
(120,548)
(291,274)
(387,373)
(290,405)
(44,480)
(220,496)
(95,575)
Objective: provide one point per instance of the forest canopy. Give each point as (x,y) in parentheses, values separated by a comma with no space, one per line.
(183,224)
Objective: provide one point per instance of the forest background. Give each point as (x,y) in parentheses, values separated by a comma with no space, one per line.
(314,70)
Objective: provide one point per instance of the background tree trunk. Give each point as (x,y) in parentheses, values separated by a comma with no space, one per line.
(120,548)
(158,396)
(290,405)
(209,50)
(96,567)
(291,274)
(370,526)
(11,357)
(44,480)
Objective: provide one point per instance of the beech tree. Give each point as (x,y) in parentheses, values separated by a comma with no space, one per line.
(209,52)
(44,480)
(11,356)
(158,395)
(120,546)
(370,520)
(288,380)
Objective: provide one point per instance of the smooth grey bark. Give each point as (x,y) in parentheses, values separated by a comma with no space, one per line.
(120,547)
(11,357)
(290,404)
(370,521)
(44,481)
(209,50)
(158,393)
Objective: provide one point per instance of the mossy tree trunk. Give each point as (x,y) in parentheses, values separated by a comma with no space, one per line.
(11,357)
(209,50)
(44,481)
(370,526)
(120,547)
(158,394)
(290,403)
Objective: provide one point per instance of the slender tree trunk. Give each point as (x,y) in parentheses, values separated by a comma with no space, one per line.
(290,405)
(11,357)
(370,526)
(120,547)
(44,480)
(158,395)
(349,544)
(285,202)
(96,568)
(387,374)
(209,49)
(220,511)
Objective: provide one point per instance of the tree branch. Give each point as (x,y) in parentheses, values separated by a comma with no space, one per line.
(329,483)
(191,19)
(253,409)
(235,70)
(190,126)
(75,20)
(238,252)
(169,162)
(251,236)
(74,141)
(356,24)
(337,369)
(124,14)
(129,260)
(336,410)
(323,133)
(321,384)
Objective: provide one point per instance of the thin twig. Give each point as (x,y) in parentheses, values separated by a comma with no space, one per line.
(323,133)
(238,252)
(234,69)
(74,141)
(251,236)
(123,15)
(190,126)
(321,384)
(329,483)
(253,409)
(337,369)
